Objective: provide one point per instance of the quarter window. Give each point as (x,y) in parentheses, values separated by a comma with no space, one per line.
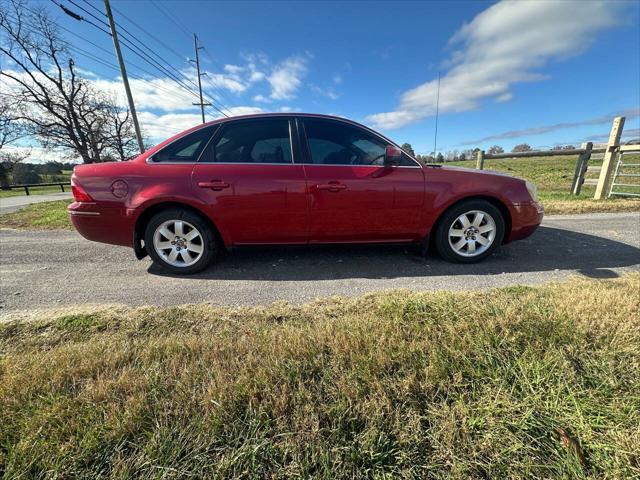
(332,143)
(265,141)
(187,148)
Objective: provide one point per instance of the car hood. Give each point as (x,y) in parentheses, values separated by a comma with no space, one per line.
(473,171)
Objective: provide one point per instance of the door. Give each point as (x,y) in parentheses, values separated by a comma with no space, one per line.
(250,184)
(353,196)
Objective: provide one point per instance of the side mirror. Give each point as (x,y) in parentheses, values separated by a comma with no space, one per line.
(392,155)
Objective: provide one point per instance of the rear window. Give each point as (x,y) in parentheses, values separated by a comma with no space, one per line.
(187,148)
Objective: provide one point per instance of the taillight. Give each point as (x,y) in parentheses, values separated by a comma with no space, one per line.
(79,195)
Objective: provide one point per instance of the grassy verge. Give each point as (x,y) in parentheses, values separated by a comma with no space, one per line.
(514,383)
(47,215)
(553,176)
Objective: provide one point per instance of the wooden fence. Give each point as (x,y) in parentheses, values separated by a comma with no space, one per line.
(27,186)
(611,161)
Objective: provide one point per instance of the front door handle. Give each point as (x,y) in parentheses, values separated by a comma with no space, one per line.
(216,185)
(332,186)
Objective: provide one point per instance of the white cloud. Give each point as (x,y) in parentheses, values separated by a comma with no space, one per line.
(154,93)
(501,46)
(256,76)
(286,78)
(325,92)
(166,125)
(629,113)
(261,98)
(233,69)
(244,110)
(337,79)
(39,155)
(228,82)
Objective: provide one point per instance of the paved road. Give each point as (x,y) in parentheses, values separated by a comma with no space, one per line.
(53,269)
(11,204)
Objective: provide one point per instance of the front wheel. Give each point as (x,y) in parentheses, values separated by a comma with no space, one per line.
(469,232)
(180,241)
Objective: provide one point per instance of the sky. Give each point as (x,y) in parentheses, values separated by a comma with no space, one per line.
(542,72)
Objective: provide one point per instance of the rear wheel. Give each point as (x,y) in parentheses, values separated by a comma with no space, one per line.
(469,232)
(180,241)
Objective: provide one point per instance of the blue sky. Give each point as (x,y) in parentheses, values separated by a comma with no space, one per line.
(509,70)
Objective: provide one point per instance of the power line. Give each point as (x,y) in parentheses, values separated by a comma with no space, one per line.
(129,44)
(128,40)
(103,61)
(173,20)
(218,90)
(76,16)
(149,34)
(134,49)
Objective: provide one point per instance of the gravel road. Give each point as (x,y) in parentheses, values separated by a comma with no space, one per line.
(45,269)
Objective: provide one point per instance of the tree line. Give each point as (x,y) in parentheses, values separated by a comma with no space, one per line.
(470,154)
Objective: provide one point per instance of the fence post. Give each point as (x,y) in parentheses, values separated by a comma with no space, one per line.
(609,156)
(62,186)
(480,160)
(26,190)
(581,169)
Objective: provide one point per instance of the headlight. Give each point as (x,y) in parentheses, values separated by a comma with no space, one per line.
(533,191)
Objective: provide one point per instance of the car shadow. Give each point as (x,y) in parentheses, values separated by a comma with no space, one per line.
(547,249)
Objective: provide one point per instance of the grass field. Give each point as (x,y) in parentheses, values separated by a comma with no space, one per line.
(553,177)
(519,382)
(66,174)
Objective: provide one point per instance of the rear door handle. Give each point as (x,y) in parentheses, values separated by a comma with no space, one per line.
(332,186)
(214,185)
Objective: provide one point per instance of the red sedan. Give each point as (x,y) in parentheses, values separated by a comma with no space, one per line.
(293,179)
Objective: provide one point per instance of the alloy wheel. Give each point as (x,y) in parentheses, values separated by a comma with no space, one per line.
(472,233)
(178,243)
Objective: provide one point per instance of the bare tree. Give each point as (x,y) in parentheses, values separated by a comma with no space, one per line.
(11,129)
(495,149)
(60,108)
(121,137)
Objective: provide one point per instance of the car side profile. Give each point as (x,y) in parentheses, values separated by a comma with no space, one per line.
(293,179)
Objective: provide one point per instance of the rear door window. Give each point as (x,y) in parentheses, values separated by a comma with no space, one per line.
(255,141)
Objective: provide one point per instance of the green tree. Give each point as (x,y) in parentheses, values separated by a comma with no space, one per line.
(522,147)
(408,148)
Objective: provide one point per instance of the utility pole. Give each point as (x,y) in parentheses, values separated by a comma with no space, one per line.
(200,75)
(125,79)
(435,136)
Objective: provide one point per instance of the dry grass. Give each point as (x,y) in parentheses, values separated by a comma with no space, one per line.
(568,206)
(513,383)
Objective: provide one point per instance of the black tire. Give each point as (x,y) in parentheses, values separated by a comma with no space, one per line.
(207,239)
(450,220)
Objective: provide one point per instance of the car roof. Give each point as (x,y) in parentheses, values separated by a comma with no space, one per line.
(283,114)
(219,121)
